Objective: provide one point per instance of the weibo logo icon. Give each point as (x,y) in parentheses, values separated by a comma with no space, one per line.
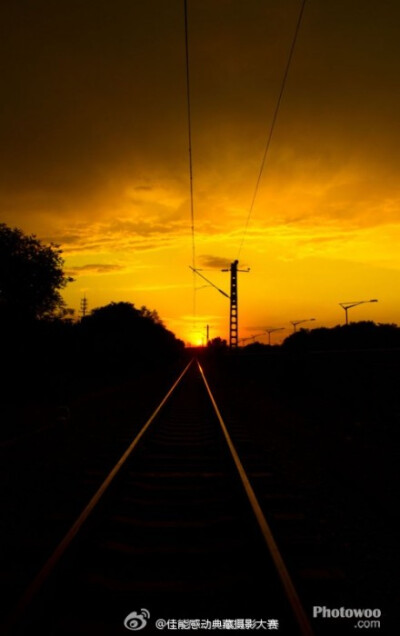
(135,621)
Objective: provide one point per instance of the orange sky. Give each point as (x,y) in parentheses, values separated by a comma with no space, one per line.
(94,154)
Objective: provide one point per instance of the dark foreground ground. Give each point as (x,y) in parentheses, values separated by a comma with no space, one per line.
(328,424)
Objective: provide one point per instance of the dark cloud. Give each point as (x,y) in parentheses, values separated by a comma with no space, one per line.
(87,90)
(342,238)
(93,100)
(141,228)
(101,268)
(215,262)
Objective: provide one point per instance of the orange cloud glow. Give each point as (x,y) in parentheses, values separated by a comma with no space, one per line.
(96,156)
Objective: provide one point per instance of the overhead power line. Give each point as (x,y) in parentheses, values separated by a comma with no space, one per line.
(197,271)
(273,122)
(189,120)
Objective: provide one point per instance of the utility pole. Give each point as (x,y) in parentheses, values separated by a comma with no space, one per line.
(233,314)
(208,334)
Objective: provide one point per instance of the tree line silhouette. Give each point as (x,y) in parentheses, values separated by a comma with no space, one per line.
(44,351)
(356,335)
(43,348)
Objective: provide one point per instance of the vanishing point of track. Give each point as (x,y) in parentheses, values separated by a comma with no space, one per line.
(175,527)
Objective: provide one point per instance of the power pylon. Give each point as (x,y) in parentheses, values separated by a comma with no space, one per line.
(84,306)
(233,314)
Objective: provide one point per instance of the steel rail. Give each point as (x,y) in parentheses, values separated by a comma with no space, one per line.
(52,561)
(291,593)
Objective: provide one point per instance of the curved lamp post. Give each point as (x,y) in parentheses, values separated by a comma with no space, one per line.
(349,305)
(298,322)
(269,331)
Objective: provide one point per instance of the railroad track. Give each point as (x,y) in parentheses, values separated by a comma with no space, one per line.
(174,532)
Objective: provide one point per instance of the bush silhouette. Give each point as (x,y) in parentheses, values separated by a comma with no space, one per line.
(356,335)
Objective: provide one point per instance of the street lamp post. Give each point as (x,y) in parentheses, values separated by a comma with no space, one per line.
(298,322)
(269,331)
(349,305)
(256,335)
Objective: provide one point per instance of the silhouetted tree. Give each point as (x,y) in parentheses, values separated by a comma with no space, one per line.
(152,314)
(118,336)
(217,344)
(31,276)
(120,315)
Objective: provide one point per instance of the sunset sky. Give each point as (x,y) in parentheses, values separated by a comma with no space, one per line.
(94,154)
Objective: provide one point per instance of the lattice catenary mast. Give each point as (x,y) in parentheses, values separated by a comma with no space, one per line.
(233,314)
(83,306)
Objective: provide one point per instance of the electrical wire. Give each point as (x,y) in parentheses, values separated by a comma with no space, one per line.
(189,119)
(221,291)
(272,127)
